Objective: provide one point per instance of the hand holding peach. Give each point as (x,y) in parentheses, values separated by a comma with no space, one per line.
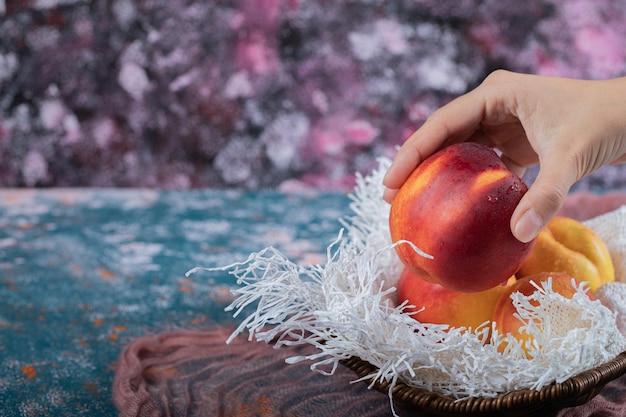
(457,207)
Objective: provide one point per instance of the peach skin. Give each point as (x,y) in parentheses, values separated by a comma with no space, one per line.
(444,306)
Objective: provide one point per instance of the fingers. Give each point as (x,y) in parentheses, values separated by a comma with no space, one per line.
(513,166)
(542,201)
(408,157)
(492,102)
(419,146)
(389,194)
(452,123)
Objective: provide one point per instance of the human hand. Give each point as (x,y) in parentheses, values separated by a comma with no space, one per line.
(570,127)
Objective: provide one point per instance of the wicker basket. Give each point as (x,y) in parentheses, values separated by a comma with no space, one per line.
(575,391)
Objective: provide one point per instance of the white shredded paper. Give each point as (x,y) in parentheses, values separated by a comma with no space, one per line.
(346,308)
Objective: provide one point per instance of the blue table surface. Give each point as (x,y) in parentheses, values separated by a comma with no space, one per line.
(84,271)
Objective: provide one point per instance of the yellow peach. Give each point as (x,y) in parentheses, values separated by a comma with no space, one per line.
(567,245)
(504,312)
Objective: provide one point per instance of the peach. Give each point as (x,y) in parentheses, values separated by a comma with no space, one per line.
(444,306)
(567,245)
(504,311)
(456,206)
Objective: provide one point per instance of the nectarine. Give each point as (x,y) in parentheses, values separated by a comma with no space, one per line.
(440,305)
(567,245)
(457,207)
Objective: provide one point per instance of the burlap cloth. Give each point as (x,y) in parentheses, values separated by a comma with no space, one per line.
(194,373)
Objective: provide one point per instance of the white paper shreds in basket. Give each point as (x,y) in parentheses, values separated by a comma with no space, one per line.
(346,308)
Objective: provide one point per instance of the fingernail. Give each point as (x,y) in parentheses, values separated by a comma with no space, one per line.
(528,226)
(387,173)
(389,194)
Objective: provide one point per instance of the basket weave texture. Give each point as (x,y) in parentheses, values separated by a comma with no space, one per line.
(574,391)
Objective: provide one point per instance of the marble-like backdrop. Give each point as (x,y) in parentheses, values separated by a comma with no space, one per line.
(254,94)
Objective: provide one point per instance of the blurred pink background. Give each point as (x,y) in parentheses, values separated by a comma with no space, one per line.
(252,94)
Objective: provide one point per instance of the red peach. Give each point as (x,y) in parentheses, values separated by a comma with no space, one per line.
(457,207)
(444,306)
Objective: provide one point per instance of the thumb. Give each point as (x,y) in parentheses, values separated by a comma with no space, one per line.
(541,202)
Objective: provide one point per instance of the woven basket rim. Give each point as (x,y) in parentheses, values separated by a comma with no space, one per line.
(574,391)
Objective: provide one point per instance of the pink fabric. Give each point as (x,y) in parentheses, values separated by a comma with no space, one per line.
(195,373)
(585,205)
